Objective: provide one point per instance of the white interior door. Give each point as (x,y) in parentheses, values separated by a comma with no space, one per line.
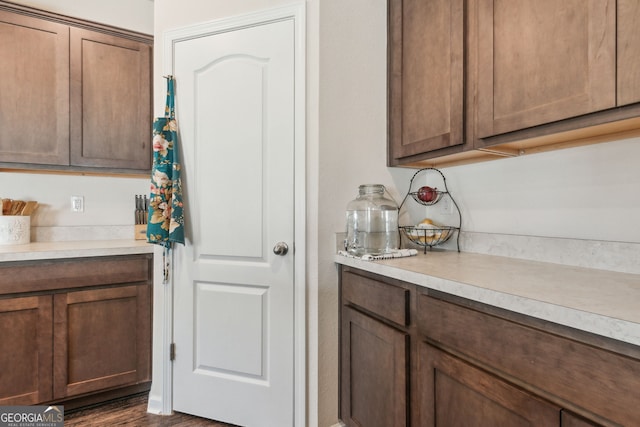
(233,296)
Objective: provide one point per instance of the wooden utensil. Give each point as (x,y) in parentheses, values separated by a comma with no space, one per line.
(16,207)
(28,208)
(6,206)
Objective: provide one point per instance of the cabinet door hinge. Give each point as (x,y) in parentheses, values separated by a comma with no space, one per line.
(172,351)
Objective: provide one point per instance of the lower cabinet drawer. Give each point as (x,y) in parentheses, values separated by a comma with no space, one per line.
(48,275)
(385,300)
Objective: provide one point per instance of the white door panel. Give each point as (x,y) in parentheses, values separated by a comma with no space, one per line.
(234,298)
(240,350)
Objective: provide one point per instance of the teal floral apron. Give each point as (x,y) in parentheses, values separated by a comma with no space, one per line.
(165,224)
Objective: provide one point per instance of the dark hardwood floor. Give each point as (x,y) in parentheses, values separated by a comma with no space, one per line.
(132,411)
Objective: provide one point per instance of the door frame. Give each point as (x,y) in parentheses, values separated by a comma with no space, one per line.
(161,395)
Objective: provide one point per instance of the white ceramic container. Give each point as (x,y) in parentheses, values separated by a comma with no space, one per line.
(15,230)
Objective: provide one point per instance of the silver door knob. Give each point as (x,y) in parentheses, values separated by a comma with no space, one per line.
(281,248)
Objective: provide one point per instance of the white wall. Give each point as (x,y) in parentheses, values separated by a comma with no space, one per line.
(135,15)
(352,151)
(590,192)
(108,200)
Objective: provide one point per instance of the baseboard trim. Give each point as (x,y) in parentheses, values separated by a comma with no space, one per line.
(155,405)
(102,397)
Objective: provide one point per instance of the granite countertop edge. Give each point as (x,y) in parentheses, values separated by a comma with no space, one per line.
(596,301)
(73,249)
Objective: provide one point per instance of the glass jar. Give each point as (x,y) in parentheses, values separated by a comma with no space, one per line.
(372,222)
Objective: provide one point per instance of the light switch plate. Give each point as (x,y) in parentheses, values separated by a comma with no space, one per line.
(77,203)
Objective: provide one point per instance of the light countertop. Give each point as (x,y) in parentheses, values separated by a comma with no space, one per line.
(597,301)
(73,249)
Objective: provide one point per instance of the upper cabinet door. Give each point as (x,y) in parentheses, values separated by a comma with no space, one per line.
(34,90)
(540,61)
(110,101)
(426,76)
(628,52)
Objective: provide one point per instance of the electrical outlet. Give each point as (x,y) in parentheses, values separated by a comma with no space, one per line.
(77,203)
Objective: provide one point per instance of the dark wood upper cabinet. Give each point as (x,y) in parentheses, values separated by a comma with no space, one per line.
(426,82)
(34,90)
(110,101)
(541,61)
(75,95)
(472,80)
(628,52)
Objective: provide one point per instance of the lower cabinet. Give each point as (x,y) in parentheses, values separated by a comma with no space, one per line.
(100,339)
(374,361)
(26,350)
(457,394)
(79,330)
(411,356)
(374,375)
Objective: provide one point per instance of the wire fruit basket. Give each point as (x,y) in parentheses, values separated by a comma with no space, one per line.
(428,235)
